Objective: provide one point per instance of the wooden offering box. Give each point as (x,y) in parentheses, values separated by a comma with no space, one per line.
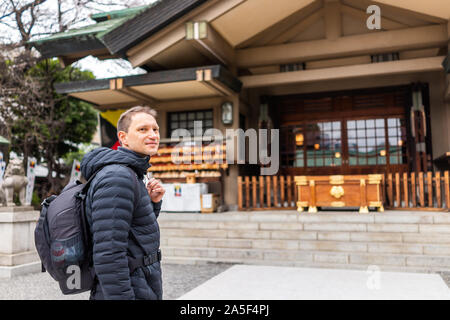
(361,191)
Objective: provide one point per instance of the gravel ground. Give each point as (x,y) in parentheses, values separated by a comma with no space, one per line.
(177,280)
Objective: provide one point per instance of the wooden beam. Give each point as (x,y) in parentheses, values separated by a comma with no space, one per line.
(78,46)
(206,78)
(104,107)
(153,66)
(339,73)
(139,96)
(422,53)
(253,16)
(210,43)
(329,63)
(370,43)
(333,24)
(271,34)
(434,8)
(130,85)
(157,46)
(105,56)
(117,84)
(220,87)
(299,28)
(175,32)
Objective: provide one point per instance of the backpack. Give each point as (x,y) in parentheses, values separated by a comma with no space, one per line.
(63,241)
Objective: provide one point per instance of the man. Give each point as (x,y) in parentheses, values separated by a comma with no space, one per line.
(122,211)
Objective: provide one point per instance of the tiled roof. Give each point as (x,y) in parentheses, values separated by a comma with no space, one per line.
(106,22)
(3,140)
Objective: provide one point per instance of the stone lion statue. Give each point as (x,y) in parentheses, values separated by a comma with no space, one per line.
(14,181)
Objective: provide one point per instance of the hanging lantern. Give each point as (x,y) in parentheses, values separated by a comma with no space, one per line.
(299,138)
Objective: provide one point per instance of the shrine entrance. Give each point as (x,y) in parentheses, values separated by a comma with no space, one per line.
(359,132)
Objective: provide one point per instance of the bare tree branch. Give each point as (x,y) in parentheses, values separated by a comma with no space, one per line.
(29,19)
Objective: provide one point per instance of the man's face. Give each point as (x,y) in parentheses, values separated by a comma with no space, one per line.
(142,136)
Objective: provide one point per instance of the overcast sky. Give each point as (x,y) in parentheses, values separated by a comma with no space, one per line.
(107,68)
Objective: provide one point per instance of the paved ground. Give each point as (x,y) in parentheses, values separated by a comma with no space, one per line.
(446,277)
(180,279)
(177,281)
(252,282)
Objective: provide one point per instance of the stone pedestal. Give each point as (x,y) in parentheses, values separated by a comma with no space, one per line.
(18,254)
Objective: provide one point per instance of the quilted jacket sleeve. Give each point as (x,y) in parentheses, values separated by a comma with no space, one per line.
(157,207)
(112,211)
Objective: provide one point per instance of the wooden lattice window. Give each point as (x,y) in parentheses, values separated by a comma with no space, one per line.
(185,120)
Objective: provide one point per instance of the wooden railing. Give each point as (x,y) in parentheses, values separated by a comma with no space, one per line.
(422,191)
(266,193)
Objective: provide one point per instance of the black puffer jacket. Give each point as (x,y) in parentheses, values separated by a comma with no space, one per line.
(112,209)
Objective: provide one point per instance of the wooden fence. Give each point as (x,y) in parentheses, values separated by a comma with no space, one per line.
(266,193)
(422,191)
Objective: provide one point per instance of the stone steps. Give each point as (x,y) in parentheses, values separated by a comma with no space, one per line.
(308,245)
(384,263)
(298,255)
(381,237)
(304,264)
(415,241)
(322,216)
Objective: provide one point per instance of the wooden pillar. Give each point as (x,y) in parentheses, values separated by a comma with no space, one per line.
(363,208)
(312,204)
(421,190)
(397,190)
(261,192)
(430,189)
(413,189)
(282,198)
(390,191)
(254,191)
(447,189)
(247,192)
(230,192)
(333,19)
(299,183)
(289,190)
(239,182)
(269,195)
(299,204)
(438,189)
(275,191)
(405,189)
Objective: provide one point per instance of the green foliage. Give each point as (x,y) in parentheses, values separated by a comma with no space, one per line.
(60,126)
(36,201)
(48,125)
(78,155)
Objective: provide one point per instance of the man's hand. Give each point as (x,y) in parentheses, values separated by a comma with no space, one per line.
(155,190)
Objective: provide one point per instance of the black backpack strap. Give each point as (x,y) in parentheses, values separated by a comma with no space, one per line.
(88,183)
(134,263)
(85,226)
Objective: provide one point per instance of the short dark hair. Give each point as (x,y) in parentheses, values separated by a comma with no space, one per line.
(125,118)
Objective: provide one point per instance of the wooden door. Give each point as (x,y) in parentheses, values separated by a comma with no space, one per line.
(347,133)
